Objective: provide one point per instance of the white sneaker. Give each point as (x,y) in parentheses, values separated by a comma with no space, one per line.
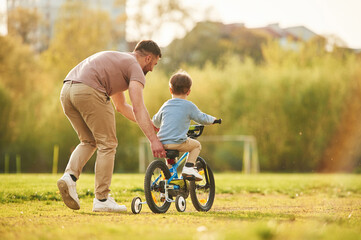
(67,188)
(108,206)
(190,172)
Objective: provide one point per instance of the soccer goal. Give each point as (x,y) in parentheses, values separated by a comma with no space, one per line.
(249,153)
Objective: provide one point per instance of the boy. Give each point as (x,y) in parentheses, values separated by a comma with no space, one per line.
(174,118)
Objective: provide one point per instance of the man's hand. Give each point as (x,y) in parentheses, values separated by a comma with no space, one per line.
(155,128)
(158,149)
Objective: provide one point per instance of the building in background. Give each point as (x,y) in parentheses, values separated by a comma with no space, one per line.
(287,37)
(48,10)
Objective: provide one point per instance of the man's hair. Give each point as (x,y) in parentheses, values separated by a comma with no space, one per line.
(180,82)
(146,47)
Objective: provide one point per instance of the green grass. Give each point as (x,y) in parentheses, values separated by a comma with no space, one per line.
(264,206)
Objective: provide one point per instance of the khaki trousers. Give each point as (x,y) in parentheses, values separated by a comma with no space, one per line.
(91,114)
(190,145)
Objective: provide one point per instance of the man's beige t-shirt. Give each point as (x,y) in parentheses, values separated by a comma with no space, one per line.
(109,72)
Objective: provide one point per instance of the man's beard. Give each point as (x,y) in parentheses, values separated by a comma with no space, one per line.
(146,69)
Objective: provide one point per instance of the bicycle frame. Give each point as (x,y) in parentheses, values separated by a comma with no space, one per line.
(173,177)
(174,170)
(175,167)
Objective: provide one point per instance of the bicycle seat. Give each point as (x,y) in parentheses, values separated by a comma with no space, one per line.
(172,153)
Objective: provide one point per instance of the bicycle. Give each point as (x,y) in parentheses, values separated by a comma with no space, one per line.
(162,184)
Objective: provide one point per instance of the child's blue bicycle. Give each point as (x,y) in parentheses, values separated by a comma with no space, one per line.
(162,184)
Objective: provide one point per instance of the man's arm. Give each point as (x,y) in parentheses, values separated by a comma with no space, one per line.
(143,119)
(122,106)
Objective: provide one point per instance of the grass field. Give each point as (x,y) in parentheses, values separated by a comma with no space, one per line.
(264,206)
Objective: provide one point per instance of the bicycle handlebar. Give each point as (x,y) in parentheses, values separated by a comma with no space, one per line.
(197,130)
(219,121)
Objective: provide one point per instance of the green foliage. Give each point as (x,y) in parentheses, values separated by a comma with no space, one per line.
(148,19)
(23,22)
(209,42)
(20,86)
(291,101)
(33,86)
(5,108)
(79,32)
(292,104)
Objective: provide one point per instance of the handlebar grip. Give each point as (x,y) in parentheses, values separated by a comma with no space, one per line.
(219,121)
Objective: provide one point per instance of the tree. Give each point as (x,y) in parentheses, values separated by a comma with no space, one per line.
(151,17)
(24,22)
(5,108)
(22,94)
(210,41)
(79,32)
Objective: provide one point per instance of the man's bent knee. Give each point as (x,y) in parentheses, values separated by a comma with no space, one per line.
(88,143)
(107,147)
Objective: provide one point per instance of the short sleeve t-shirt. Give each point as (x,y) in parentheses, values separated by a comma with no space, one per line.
(108,71)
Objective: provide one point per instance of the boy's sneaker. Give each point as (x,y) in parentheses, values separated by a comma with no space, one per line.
(108,206)
(191,172)
(67,188)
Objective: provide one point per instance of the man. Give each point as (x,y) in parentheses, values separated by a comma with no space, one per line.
(85,98)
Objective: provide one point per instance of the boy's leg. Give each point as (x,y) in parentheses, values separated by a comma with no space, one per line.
(190,145)
(171,147)
(193,147)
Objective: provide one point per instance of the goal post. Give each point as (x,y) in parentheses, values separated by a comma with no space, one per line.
(250,162)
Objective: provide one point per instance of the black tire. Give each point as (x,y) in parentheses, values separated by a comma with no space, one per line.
(203,192)
(180,203)
(153,187)
(136,206)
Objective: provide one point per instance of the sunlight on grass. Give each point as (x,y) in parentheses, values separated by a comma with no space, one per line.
(264,206)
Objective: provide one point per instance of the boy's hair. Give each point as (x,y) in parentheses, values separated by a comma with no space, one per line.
(146,47)
(180,82)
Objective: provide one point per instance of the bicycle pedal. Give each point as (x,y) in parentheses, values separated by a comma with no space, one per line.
(190,178)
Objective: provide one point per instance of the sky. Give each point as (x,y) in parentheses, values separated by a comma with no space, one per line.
(325,17)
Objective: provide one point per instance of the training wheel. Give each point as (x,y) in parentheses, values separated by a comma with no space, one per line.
(136,205)
(180,203)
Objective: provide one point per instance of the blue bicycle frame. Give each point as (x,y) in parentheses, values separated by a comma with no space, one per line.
(175,166)
(173,170)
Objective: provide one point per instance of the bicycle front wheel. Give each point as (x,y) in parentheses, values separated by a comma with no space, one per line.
(154,186)
(203,192)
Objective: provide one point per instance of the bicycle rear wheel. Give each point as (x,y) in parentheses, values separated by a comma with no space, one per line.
(203,192)
(154,186)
